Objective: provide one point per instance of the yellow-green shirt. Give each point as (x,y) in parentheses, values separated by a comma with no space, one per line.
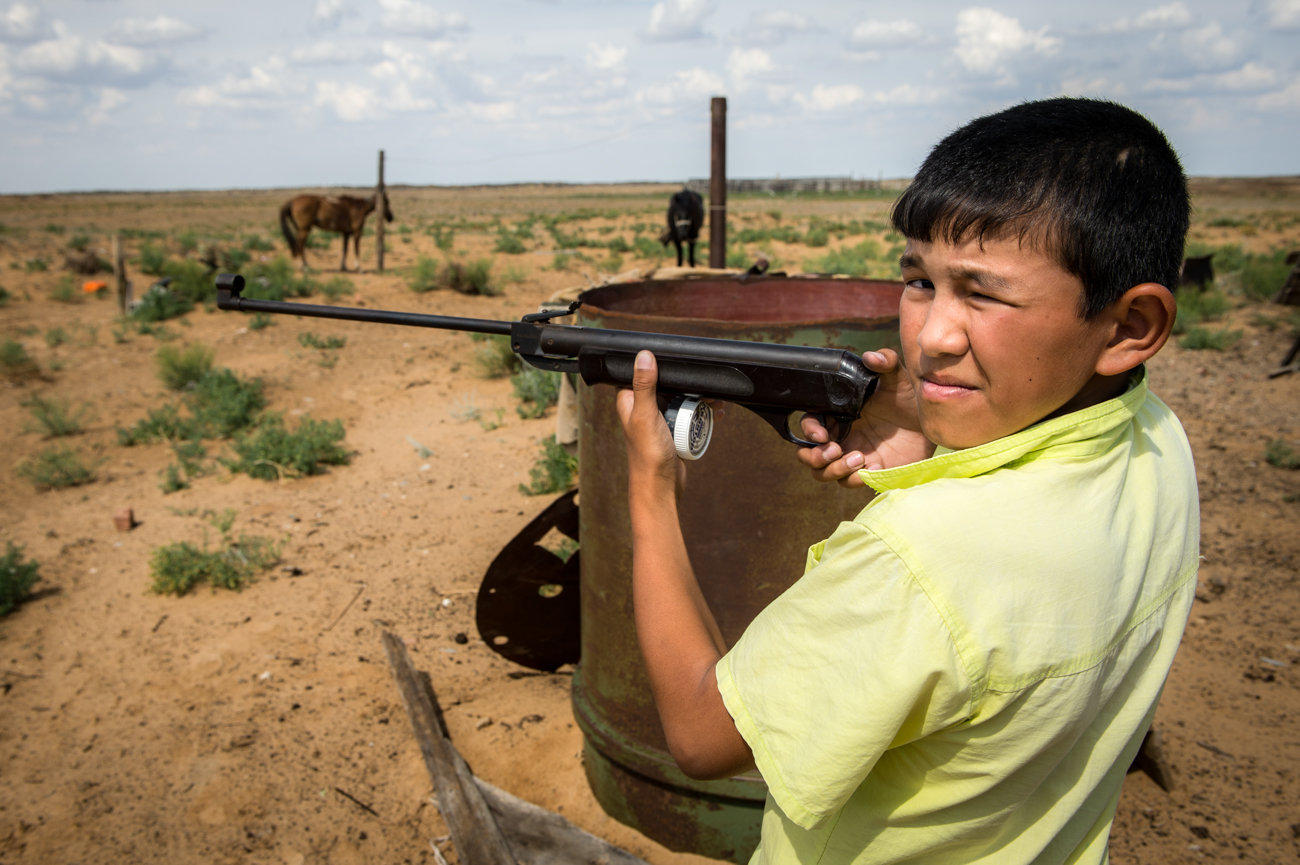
(966,670)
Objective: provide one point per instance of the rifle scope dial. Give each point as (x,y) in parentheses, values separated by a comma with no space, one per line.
(690,420)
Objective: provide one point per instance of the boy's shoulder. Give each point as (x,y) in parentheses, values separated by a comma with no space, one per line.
(1083,526)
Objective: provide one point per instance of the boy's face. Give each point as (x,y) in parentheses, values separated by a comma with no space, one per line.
(992,338)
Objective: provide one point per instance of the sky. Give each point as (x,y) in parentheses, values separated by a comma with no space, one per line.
(132,94)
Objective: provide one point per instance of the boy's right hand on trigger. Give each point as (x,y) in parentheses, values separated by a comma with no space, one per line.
(887,435)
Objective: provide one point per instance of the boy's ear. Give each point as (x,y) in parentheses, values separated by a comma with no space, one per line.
(1140,323)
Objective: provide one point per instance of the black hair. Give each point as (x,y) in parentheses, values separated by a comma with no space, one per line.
(1095,182)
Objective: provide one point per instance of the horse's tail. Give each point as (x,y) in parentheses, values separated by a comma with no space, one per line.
(290,228)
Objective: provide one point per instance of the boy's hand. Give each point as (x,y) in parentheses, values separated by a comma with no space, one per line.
(887,435)
(652,462)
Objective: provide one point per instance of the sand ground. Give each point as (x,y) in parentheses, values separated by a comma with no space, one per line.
(245,726)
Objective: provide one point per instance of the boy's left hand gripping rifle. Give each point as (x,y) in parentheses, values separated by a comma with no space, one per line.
(773,381)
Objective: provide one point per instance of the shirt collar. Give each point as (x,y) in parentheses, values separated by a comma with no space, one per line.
(1089,423)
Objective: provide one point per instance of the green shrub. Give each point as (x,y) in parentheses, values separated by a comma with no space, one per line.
(1198,338)
(160,304)
(644,247)
(277,280)
(474,277)
(151,259)
(509,244)
(222,404)
(5,296)
(424,276)
(55,418)
(260,320)
(537,389)
(270,451)
(172,480)
(16,578)
(336,288)
(257,243)
(160,424)
(444,239)
(1262,275)
(859,260)
(15,361)
(56,468)
(514,275)
(36,265)
(1280,454)
(494,359)
(188,241)
(1196,306)
(54,228)
(817,236)
(233,260)
(66,291)
(55,337)
(190,280)
(307,339)
(553,471)
(179,567)
(182,368)
(79,242)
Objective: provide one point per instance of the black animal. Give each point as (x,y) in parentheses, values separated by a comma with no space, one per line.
(685,216)
(1198,271)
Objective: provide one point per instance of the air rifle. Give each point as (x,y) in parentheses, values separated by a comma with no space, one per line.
(773,381)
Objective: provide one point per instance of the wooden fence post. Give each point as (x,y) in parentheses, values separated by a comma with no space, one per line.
(379,223)
(718,185)
(122,284)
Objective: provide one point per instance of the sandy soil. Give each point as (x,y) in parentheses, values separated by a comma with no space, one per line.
(245,726)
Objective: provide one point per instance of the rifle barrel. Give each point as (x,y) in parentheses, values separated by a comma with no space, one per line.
(377,316)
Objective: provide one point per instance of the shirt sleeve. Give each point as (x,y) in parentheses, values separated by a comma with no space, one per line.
(852,660)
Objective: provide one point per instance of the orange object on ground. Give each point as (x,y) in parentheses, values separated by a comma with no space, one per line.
(93,286)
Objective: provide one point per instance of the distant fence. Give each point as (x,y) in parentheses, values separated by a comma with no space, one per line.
(778,185)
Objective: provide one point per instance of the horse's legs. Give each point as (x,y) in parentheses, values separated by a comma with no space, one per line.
(356,242)
(677,243)
(343,264)
(692,253)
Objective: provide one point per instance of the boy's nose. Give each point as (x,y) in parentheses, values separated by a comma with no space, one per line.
(944,332)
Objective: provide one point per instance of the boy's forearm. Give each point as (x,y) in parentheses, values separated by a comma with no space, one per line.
(680,640)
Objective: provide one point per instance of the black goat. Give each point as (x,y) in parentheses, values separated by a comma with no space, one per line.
(685,216)
(1198,271)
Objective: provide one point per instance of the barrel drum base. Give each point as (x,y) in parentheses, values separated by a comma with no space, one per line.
(715,826)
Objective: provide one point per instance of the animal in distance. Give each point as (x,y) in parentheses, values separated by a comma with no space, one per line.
(344,214)
(685,216)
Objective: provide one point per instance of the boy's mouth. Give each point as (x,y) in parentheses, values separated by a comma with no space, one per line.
(936,386)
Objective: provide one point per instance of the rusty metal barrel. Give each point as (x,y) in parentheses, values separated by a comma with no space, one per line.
(749,513)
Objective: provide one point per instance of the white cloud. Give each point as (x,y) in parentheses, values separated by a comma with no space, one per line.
(986,39)
(747,63)
(21,24)
(1251,76)
(608,56)
(1209,46)
(833,98)
(1172,16)
(326,54)
(328,13)
(909,94)
(143,32)
(350,102)
(772,28)
(693,83)
(411,18)
(109,98)
(70,59)
(493,112)
(678,19)
(884,34)
(264,86)
(1099,86)
(1284,14)
(1288,97)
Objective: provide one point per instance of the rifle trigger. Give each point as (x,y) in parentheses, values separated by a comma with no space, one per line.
(552,313)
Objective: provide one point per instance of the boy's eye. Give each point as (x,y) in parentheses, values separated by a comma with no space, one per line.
(922,284)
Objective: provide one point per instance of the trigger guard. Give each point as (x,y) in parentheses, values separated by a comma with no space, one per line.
(844,424)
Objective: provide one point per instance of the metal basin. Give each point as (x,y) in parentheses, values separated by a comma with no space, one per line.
(749,514)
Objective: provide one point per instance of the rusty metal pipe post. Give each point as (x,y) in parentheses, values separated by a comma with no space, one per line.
(718,185)
(379,219)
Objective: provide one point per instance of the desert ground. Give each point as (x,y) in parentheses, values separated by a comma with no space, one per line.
(262,725)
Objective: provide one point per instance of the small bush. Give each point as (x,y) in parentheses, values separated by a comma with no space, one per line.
(514,275)
(271,452)
(79,242)
(424,276)
(1195,307)
(613,263)
(336,288)
(190,280)
(179,567)
(222,404)
(537,389)
(36,265)
(816,236)
(56,418)
(233,260)
(188,241)
(182,368)
(1262,275)
(172,480)
(257,243)
(510,244)
(161,304)
(151,259)
(307,339)
(474,277)
(1281,455)
(16,578)
(5,296)
(859,260)
(495,359)
(259,321)
(55,337)
(56,468)
(160,424)
(66,291)
(277,280)
(444,239)
(553,471)
(1198,338)
(15,360)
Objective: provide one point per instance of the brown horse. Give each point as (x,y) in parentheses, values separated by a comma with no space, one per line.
(344,214)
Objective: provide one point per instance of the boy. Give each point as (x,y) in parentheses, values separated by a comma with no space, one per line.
(966,670)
